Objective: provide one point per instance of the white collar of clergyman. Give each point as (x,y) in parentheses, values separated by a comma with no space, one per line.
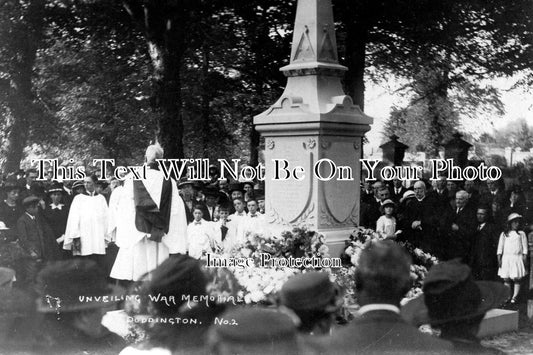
(378,307)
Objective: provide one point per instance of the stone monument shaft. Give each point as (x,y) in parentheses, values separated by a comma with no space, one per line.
(313,121)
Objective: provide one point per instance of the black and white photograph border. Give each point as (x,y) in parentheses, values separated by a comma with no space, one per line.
(272,176)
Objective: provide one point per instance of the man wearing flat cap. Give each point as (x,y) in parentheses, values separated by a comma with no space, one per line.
(36,237)
(455,303)
(152,223)
(382,280)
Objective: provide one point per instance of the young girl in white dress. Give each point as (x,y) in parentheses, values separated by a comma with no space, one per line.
(512,254)
(386,224)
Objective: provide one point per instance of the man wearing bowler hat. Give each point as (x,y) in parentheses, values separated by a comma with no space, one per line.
(236,191)
(212,196)
(456,304)
(382,280)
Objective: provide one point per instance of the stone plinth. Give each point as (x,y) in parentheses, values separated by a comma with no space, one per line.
(498,321)
(313,120)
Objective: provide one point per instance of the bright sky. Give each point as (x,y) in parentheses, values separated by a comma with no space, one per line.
(380,99)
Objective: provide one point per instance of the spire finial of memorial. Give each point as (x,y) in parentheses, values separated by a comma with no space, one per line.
(314,46)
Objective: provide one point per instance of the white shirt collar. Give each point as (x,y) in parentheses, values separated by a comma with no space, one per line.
(379,307)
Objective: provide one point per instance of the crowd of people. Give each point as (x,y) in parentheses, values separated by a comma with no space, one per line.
(128,227)
(301,322)
(64,242)
(479,223)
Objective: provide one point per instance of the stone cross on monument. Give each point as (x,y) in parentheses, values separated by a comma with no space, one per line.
(313,121)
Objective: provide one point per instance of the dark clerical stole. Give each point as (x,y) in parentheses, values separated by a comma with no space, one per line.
(149,218)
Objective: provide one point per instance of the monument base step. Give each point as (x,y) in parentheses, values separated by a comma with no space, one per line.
(498,321)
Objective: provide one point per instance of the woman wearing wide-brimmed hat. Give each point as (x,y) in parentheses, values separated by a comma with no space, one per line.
(512,254)
(10,206)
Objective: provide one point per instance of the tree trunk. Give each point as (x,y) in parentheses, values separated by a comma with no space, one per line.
(356,39)
(164,26)
(20,98)
(206,99)
(437,99)
(166,86)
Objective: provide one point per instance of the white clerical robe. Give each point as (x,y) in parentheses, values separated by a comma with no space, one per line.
(232,240)
(88,221)
(137,254)
(114,211)
(250,224)
(202,236)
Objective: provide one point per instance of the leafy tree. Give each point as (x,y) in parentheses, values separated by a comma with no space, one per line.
(21,35)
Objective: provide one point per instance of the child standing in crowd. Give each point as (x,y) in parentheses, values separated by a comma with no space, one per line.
(201,235)
(223,224)
(386,224)
(512,254)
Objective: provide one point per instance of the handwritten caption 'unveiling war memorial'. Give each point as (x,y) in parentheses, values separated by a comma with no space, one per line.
(323,170)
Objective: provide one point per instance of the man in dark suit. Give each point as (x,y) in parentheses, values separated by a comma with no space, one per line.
(370,212)
(32,186)
(483,260)
(382,279)
(397,190)
(441,193)
(462,225)
(211,199)
(36,238)
(473,194)
(422,223)
(35,235)
(367,192)
(188,192)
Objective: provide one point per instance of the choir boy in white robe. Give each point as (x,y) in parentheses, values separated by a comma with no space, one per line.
(253,222)
(233,222)
(202,236)
(151,222)
(87,224)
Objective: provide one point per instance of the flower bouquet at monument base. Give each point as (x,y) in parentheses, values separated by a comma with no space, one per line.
(354,245)
(260,283)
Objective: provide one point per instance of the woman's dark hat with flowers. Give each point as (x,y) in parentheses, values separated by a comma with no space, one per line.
(451,294)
